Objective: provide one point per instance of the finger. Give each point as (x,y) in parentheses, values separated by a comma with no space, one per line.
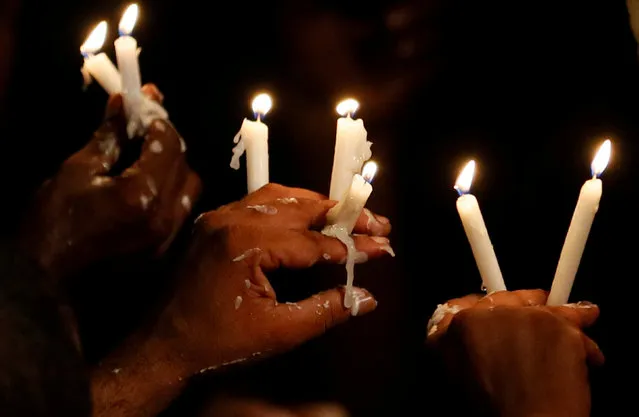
(297,250)
(103,150)
(373,224)
(187,195)
(303,213)
(273,191)
(160,151)
(520,298)
(581,315)
(312,317)
(294,214)
(594,355)
(444,313)
(153,92)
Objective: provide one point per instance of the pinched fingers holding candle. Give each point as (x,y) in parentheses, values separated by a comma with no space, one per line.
(87,212)
(582,314)
(228,266)
(224,310)
(515,359)
(278,205)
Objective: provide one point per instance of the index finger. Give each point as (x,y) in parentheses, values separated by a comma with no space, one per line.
(444,313)
(274,191)
(580,314)
(103,150)
(519,298)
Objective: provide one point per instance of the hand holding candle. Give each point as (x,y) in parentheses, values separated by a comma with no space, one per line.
(579,229)
(476,231)
(351,149)
(140,110)
(253,138)
(99,66)
(341,220)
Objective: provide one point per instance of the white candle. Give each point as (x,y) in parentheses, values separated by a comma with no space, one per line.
(582,218)
(475,228)
(253,138)
(99,66)
(341,220)
(351,149)
(126,51)
(140,110)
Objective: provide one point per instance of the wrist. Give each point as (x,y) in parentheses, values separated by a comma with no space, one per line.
(140,378)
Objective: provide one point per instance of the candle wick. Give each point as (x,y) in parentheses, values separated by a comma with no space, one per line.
(259,117)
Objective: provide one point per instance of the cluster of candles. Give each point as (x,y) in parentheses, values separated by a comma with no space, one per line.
(574,244)
(352,172)
(350,180)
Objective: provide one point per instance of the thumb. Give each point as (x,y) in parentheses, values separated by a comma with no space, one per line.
(313,316)
(102,152)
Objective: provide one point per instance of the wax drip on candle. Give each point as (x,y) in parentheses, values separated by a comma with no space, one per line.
(341,220)
(141,110)
(261,105)
(347,108)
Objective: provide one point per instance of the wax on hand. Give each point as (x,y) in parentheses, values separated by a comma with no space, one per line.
(341,220)
(579,229)
(352,149)
(253,139)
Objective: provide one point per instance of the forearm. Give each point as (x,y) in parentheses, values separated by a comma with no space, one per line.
(140,379)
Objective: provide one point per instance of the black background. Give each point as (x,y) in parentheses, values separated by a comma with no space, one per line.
(528,89)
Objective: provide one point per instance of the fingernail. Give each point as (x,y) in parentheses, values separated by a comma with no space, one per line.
(586,304)
(382,219)
(363,302)
(151,91)
(381,240)
(385,245)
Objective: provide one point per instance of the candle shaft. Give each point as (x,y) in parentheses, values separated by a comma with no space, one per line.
(480,243)
(575,243)
(104,72)
(351,151)
(126,49)
(348,209)
(253,139)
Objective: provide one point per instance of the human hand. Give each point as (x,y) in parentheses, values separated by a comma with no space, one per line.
(225,310)
(516,356)
(85,213)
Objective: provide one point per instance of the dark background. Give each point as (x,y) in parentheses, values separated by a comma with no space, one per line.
(529,89)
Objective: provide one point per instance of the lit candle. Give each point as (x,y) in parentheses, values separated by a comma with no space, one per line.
(141,111)
(582,218)
(341,220)
(351,149)
(253,138)
(99,66)
(475,228)
(126,51)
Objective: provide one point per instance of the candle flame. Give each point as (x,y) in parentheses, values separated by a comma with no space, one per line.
(465,179)
(600,162)
(128,20)
(369,171)
(262,103)
(95,40)
(347,107)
